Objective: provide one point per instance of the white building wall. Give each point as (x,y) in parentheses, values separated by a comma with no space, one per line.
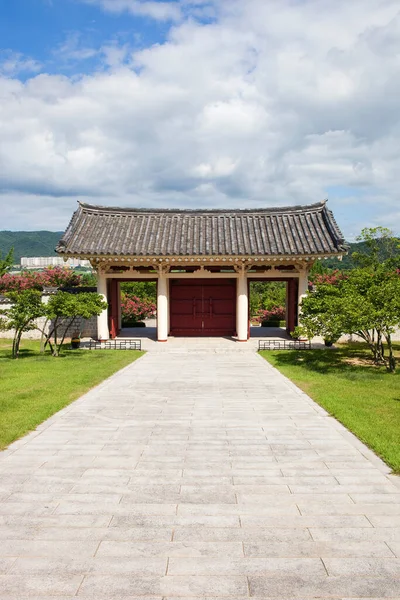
(86,327)
(41,262)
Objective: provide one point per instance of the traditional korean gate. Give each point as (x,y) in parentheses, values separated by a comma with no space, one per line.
(204,307)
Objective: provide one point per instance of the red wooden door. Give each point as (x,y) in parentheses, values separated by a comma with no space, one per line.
(203,308)
(113,307)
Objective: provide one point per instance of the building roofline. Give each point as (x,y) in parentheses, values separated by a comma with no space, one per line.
(125,228)
(96,208)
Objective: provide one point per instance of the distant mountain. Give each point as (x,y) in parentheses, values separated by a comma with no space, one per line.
(347,262)
(29,243)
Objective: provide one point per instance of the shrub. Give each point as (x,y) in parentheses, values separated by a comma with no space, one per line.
(272,317)
(135,310)
(37,280)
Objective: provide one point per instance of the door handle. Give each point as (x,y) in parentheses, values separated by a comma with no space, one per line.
(211,308)
(194,308)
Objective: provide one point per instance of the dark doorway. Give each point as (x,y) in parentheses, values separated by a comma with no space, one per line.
(205,307)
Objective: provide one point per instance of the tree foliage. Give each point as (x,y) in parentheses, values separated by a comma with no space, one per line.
(135,310)
(37,280)
(272,316)
(7,262)
(362,247)
(266,295)
(26,307)
(320,315)
(380,246)
(365,302)
(144,290)
(63,311)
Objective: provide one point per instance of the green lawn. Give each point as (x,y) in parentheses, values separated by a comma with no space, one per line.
(365,398)
(36,386)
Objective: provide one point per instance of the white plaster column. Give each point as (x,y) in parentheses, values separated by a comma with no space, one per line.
(303,287)
(162,308)
(103,332)
(242,315)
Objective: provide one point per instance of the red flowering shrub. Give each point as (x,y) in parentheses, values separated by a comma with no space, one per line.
(277,313)
(327,278)
(60,277)
(18,283)
(134,309)
(37,280)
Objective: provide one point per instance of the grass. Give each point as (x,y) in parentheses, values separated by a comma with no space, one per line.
(36,386)
(344,381)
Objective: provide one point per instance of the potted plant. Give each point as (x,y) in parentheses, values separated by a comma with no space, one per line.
(329,340)
(76,340)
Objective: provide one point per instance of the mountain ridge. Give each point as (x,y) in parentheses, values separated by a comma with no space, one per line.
(29,243)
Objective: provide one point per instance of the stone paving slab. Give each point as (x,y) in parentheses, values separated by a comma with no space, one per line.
(197,473)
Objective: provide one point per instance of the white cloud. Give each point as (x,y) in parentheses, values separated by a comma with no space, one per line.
(15,63)
(72,49)
(160,11)
(274,103)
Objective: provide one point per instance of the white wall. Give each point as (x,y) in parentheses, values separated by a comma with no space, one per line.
(88,328)
(52,261)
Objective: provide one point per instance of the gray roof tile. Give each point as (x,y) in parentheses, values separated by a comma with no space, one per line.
(292,231)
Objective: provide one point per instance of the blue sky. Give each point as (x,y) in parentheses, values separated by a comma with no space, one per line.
(41,28)
(199,103)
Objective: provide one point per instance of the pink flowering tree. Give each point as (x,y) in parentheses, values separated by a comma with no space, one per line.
(333,278)
(37,280)
(274,315)
(135,309)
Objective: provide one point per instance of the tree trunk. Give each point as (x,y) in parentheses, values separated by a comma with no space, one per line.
(14,346)
(17,339)
(16,343)
(380,351)
(370,340)
(43,338)
(66,329)
(55,348)
(391,362)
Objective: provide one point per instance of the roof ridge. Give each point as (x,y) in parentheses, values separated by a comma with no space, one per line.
(96,208)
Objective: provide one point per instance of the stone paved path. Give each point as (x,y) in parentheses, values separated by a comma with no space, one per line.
(201,475)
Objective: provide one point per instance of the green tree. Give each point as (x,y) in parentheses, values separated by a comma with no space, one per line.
(365,302)
(266,295)
(319,268)
(321,313)
(379,246)
(7,262)
(145,290)
(26,307)
(88,280)
(64,309)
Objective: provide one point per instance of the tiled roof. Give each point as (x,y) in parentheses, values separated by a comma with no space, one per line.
(292,231)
